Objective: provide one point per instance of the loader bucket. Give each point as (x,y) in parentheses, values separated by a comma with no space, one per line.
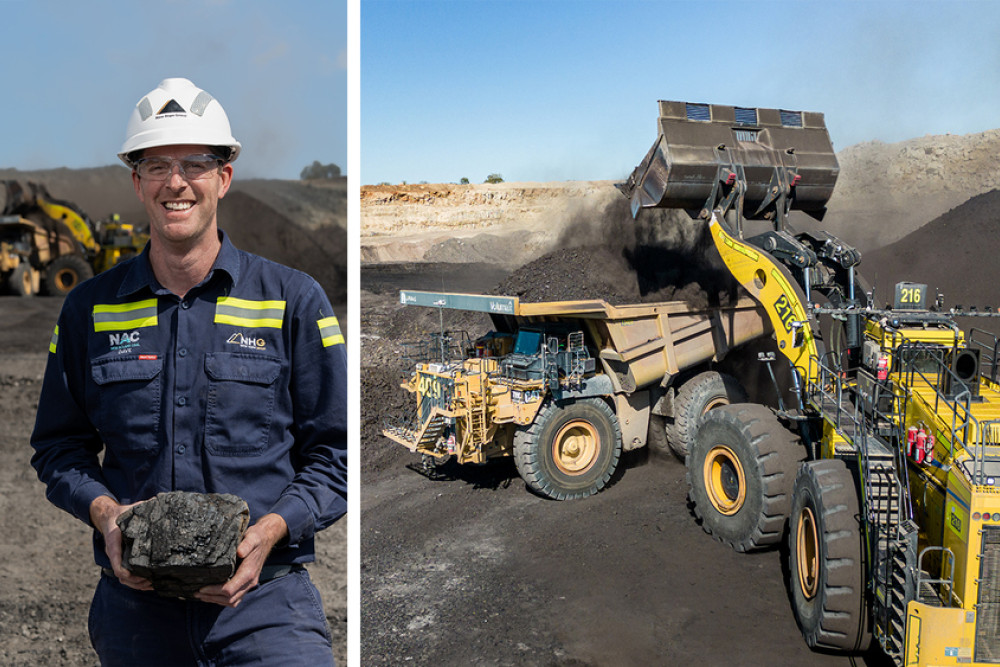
(702,151)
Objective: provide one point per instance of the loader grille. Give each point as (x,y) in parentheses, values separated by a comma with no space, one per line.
(988,607)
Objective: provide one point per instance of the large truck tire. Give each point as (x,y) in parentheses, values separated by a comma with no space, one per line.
(826,558)
(570,450)
(656,437)
(740,470)
(65,273)
(705,391)
(22,280)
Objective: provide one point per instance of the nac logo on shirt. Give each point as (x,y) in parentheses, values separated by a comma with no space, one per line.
(247,342)
(123,342)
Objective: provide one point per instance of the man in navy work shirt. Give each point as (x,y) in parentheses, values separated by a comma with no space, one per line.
(198,367)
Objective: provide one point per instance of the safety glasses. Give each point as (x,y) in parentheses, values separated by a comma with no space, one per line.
(192,167)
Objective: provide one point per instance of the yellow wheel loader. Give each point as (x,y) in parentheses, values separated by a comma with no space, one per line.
(48,245)
(883,468)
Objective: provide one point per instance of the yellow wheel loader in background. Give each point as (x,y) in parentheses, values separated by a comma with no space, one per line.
(48,245)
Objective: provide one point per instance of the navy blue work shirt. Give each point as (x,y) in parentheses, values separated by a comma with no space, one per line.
(239,387)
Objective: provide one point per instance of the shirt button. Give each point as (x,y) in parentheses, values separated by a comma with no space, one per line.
(185,304)
(182,352)
(182,401)
(180,449)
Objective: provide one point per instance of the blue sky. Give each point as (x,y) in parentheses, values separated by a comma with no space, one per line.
(551,90)
(73,71)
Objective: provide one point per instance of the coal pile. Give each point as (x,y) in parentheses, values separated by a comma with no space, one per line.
(183,541)
(955,254)
(256,227)
(385,404)
(664,255)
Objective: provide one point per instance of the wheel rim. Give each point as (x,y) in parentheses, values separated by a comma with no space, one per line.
(66,279)
(807,553)
(575,447)
(717,402)
(725,480)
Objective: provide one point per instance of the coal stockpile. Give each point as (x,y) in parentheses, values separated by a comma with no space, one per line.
(385,404)
(664,255)
(954,254)
(256,227)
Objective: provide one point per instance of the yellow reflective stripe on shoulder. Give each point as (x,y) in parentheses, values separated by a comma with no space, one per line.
(54,343)
(123,316)
(329,331)
(245,313)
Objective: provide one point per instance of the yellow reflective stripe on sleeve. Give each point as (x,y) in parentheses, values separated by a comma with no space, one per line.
(55,340)
(329,331)
(244,313)
(123,316)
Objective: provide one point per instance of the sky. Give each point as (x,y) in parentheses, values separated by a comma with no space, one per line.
(548,90)
(73,72)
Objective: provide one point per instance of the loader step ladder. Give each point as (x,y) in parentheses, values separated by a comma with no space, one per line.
(892,533)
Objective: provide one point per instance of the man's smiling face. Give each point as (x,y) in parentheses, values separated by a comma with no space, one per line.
(182,211)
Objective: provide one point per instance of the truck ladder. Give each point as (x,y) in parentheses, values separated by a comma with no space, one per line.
(478,408)
(419,438)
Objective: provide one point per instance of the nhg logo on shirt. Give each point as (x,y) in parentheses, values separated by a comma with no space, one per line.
(247,342)
(123,342)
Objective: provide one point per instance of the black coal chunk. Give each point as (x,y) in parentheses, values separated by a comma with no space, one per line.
(182,541)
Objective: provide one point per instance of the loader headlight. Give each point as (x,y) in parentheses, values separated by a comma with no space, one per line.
(991,481)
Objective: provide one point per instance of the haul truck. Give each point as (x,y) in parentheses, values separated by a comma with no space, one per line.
(885,465)
(565,387)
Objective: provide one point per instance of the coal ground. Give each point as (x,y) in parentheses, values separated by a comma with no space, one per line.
(47,572)
(471,568)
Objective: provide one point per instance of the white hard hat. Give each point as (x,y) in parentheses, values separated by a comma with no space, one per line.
(178,112)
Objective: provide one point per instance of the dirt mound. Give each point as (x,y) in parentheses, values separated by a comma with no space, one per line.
(99,191)
(384,403)
(256,227)
(311,204)
(954,254)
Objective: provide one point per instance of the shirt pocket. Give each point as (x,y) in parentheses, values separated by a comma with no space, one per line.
(241,396)
(129,391)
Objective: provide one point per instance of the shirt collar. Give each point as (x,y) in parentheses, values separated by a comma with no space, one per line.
(140,272)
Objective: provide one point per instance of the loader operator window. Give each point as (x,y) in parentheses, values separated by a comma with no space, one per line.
(528,342)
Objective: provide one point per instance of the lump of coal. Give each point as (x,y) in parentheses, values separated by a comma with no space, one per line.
(182,541)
